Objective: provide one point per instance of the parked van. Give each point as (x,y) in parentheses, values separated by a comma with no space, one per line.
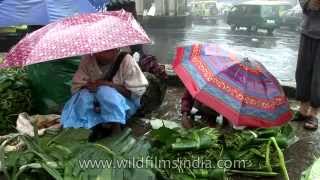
(256,15)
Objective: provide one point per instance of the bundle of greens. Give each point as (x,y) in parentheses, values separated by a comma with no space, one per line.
(186,146)
(15,95)
(166,154)
(69,156)
(257,152)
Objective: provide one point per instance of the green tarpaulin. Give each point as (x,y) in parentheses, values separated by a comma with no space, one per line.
(51,83)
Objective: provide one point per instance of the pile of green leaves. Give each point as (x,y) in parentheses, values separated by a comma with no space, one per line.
(261,151)
(15,95)
(57,157)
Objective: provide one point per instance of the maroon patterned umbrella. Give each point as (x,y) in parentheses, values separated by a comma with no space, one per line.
(77,35)
(242,90)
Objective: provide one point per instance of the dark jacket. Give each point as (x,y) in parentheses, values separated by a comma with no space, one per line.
(311,23)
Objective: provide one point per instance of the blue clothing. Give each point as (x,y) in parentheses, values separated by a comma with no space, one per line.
(42,12)
(115,108)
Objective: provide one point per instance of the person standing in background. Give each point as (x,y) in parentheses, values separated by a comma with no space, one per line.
(308,67)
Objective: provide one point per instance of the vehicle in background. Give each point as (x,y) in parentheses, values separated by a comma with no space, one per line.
(204,12)
(292,18)
(257,14)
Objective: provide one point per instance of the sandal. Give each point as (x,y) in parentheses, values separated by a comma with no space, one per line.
(311,124)
(300,117)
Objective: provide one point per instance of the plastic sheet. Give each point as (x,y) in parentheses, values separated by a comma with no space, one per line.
(51,83)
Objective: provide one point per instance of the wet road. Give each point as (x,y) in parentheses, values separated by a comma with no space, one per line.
(277,52)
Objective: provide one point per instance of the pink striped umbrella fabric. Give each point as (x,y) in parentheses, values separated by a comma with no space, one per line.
(241,90)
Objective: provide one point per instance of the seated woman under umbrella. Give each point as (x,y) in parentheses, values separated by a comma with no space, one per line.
(106,92)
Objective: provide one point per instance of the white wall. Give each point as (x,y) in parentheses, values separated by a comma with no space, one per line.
(161,7)
(139,7)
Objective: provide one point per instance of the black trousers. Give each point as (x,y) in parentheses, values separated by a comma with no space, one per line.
(308,71)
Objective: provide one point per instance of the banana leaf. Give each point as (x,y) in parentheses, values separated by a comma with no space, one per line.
(181,140)
(241,140)
(164,135)
(313,172)
(158,123)
(197,139)
(217,174)
(62,157)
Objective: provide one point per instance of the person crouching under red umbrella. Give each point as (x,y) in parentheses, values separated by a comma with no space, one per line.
(106,89)
(207,114)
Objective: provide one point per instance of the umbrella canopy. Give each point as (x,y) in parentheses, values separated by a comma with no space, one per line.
(42,12)
(77,35)
(241,90)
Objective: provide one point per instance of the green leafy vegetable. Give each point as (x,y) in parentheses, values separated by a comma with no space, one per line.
(15,95)
(260,150)
(59,158)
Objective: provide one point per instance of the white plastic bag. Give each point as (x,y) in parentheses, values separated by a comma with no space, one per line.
(43,123)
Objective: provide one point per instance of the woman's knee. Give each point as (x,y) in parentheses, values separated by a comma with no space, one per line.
(106,90)
(106,93)
(84,95)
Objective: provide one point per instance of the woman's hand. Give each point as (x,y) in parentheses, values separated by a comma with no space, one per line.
(91,86)
(121,89)
(103,83)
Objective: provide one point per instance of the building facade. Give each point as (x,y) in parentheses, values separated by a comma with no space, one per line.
(162,7)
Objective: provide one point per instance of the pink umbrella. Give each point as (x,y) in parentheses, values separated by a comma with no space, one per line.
(75,36)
